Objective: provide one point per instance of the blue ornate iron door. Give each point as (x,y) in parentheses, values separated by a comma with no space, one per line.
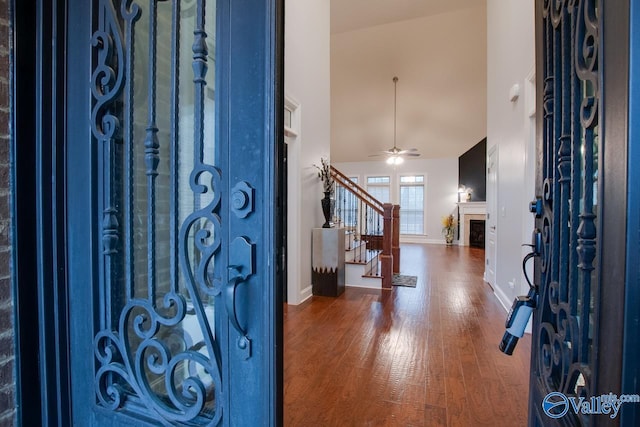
(567,271)
(171,157)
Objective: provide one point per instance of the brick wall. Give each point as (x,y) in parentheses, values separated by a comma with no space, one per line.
(7,383)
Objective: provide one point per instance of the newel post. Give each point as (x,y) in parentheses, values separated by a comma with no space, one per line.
(386,258)
(395,243)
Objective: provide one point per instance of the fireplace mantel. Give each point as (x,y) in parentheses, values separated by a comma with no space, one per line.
(469,211)
(469,208)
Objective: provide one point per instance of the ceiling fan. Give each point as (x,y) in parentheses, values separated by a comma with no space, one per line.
(395,155)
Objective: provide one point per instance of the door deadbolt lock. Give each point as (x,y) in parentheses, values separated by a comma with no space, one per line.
(242,196)
(239,200)
(535,207)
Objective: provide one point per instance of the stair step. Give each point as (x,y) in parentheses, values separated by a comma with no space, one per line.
(355,252)
(356,276)
(373,265)
(355,245)
(350,242)
(366,256)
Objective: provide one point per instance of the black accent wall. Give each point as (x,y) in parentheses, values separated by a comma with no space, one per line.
(472,171)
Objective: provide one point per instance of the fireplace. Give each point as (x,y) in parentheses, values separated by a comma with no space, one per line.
(476,233)
(472,211)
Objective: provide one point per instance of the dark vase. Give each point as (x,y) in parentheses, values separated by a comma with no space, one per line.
(326,209)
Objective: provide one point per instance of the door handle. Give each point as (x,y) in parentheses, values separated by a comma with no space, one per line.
(493,227)
(523,306)
(241,256)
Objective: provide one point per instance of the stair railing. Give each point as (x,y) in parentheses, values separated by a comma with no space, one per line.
(367,219)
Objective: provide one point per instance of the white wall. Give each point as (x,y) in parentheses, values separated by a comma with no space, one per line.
(441,192)
(307,81)
(440,62)
(510,59)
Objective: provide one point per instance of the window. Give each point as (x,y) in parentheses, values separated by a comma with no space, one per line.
(412,204)
(378,187)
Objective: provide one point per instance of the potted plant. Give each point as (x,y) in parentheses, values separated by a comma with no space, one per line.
(448,228)
(324,174)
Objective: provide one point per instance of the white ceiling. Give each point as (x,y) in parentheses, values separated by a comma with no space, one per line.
(441,65)
(349,15)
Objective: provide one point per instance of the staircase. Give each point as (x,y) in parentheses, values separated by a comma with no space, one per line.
(371,234)
(362,265)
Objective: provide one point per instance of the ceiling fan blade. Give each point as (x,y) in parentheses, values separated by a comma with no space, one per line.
(408,150)
(395,151)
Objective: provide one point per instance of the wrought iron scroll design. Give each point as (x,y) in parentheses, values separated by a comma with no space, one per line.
(131,13)
(570,108)
(107,82)
(137,369)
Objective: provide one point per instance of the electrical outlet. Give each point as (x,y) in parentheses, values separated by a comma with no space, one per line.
(512,283)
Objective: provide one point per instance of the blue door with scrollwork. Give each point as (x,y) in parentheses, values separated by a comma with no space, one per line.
(583,327)
(171,153)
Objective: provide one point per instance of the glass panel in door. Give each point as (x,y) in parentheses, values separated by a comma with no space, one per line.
(157,350)
(565,320)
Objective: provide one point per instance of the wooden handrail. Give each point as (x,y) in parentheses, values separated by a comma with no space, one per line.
(362,194)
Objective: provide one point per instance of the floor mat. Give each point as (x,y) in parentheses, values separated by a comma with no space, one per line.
(401,280)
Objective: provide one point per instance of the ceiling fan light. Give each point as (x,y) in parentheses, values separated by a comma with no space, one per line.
(395,160)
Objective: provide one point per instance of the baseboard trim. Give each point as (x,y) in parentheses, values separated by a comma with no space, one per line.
(363,286)
(306,293)
(424,239)
(502,298)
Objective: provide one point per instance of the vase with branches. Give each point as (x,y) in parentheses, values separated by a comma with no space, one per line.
(324,174)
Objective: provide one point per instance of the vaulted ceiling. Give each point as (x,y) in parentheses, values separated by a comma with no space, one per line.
(437,49)
(349,15)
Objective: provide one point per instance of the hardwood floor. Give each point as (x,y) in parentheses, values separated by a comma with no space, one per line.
(424,356)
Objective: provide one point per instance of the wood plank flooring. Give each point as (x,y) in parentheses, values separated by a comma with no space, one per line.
(424,356)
